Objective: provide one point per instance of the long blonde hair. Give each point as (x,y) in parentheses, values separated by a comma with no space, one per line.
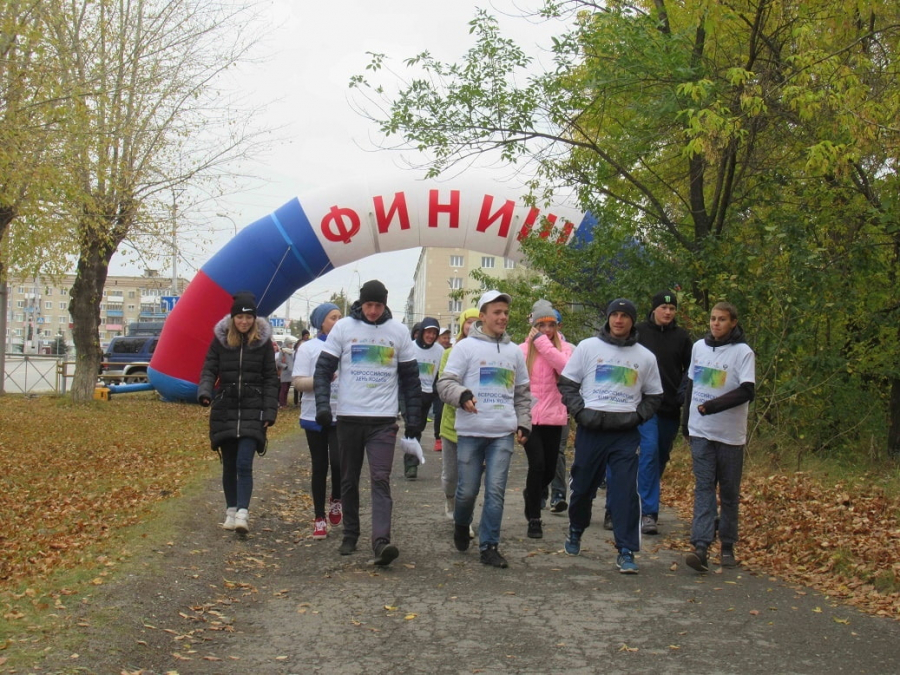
(533,352)
(234,337)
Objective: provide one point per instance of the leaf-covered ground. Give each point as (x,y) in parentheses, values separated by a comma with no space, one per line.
(842,539)
(75,475)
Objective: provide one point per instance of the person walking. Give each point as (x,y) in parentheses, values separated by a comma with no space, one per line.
(671,345)
(546,354)
(437,405)
(428,355)
(487,380)
(322,441)
(449,473)
(239,383)
(377,363)
(722,383)
(610,386)
(286,367)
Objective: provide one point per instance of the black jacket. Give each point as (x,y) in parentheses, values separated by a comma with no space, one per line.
(672,347)
(407,376)
(242,384)
(602,420)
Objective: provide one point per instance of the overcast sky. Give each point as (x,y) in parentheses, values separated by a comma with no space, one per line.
(315,48)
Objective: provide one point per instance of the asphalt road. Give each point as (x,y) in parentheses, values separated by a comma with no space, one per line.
(202,600)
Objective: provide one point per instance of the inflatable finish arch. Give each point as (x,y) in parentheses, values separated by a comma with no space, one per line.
(284,251)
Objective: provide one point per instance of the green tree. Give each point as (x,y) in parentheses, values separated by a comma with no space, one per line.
(745,152)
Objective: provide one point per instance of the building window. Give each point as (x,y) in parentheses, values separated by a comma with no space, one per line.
(455,306)
(509,264)
(62,319)
(63,305)
(48,291)
(131,297)
(48,304)
(130,308)
(455,283)
(456,261)
(487,261)
(20,303)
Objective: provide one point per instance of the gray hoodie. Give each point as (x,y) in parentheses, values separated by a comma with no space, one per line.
(462,374)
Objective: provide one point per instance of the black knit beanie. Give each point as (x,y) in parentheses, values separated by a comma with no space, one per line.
(373,291)
(244,303)
(664,298)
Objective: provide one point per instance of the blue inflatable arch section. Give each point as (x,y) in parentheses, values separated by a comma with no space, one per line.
(306,238)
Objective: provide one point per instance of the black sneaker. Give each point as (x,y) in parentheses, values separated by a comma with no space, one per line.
(535,531)
(559,507)
(697,560)
(385,555)
(491,556)
(411,472)
(726,557)
(347,546)
(461,537)
(649,525)
(607,521)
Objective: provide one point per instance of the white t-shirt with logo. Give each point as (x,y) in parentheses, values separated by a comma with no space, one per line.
(613,378)
(715,372)
(492,376)
(369,354)
(305,366)
(429,361)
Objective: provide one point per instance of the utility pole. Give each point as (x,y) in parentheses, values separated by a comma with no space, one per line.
(174,245)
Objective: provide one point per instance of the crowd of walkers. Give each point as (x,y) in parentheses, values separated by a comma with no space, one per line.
(628,391)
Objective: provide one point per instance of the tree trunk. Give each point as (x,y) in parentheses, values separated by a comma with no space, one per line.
(893,441)
(84,306)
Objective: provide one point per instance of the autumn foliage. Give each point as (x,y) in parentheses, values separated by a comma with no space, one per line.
(842,539)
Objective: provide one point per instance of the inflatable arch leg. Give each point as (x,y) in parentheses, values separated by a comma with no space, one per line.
(284,251)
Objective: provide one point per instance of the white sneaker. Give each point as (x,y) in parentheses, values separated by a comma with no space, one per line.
(449,507)
(240,521)
(229,518)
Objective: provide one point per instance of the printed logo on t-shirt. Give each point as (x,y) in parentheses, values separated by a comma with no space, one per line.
(372,355)
(426,369)
(610,374)
(492,376)
(712,378)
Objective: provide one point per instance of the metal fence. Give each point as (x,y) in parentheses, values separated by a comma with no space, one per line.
(33,374)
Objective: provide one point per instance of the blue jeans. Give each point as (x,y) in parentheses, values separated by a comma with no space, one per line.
(237,471)
(595,453)
(648,467)
(476,455)
(668,432)
(715,464)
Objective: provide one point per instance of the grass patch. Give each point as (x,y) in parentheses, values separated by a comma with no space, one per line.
(85,486)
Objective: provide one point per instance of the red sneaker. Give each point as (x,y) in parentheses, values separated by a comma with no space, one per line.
(438,445)
(335,513)
(321,529)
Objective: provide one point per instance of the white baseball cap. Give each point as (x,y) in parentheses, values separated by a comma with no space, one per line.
(493,296)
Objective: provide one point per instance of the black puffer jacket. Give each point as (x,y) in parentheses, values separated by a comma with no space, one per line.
(242,384)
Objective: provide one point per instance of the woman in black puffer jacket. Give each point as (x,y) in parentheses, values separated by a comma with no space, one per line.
(241,383)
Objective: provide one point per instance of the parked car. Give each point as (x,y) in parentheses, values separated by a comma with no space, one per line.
(126,359)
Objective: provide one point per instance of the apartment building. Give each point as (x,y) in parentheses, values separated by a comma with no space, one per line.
(442,270)
(37,308)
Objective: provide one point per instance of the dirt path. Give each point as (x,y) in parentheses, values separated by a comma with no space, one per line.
(204,601)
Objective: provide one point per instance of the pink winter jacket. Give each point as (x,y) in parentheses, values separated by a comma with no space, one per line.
(547,407)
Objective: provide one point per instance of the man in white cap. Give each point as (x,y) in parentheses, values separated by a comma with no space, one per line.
(487,380)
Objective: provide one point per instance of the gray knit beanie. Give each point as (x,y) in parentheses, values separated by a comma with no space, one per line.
(542,310)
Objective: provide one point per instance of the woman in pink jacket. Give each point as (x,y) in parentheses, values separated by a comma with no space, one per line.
(546,354)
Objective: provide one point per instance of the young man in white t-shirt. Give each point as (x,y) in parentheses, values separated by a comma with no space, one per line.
(722,385)
(428,356)
(610,386)
(487,380)
(377,363)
